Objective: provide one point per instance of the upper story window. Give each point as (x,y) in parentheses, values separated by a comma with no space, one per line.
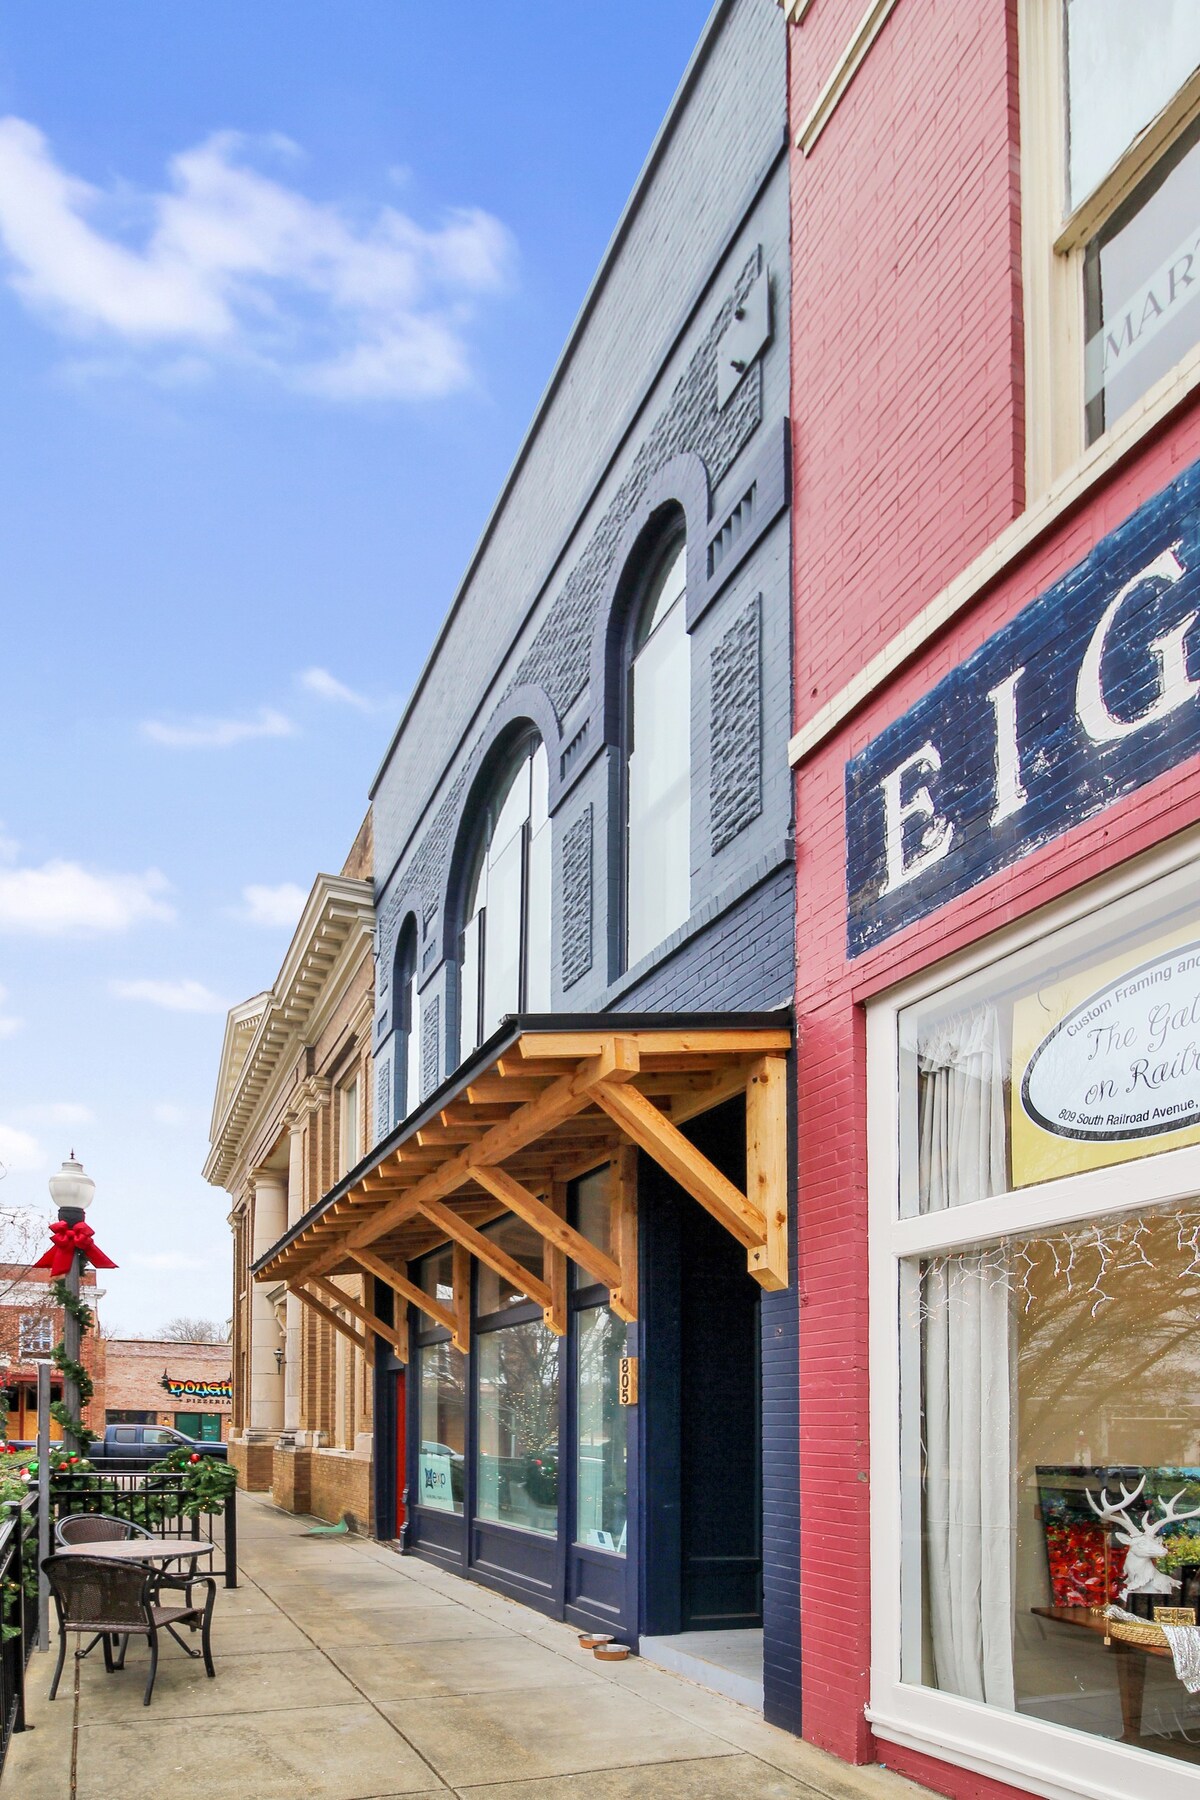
(658,770)
(1142,266)
(408,1023)
(1111,212)
(504,961)
(36,1335)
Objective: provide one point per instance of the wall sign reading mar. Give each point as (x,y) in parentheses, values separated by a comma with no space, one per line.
(1089,693)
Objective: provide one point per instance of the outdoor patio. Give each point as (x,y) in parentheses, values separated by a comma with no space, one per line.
(347,1673)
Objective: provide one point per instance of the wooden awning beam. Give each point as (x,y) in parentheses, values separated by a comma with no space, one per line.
(547,1223)
(361,1343)
(408,1290)
(487,1251)
(395,1335)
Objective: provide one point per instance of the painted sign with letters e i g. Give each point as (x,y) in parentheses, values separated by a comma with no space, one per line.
(1091,691)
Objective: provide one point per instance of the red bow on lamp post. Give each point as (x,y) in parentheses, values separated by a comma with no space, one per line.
(67,1239)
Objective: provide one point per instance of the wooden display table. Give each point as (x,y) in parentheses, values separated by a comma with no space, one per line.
(1131,1662)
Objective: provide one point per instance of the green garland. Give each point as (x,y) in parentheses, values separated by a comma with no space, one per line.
(70,1370)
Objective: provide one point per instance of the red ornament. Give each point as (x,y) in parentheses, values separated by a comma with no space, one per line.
(67,1239)
(193,1457)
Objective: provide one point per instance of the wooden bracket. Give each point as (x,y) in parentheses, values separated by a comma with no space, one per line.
(407,1290)
(395,1335)
(641,1120)
(624,1299)
(486,1251)
(362,1344)
(460,1258)
(766,1168)
(547,1223)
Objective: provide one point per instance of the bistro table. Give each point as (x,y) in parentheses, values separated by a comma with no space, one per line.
(139,1549)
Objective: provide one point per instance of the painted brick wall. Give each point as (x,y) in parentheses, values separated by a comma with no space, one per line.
(906,322)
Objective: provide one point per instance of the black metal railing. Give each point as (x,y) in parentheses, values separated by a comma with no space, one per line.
(153,1501)
(18,1554)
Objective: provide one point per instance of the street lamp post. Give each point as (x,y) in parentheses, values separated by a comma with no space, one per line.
(71,1191)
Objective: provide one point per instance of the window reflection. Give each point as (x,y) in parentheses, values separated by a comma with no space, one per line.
(443,1415)
(517,1464)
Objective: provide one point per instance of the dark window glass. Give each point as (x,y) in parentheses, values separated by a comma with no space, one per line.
(658,823)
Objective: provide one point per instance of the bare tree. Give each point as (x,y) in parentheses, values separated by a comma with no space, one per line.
(184,1330)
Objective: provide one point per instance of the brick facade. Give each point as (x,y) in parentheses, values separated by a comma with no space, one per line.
(27,1318)
(134,1371)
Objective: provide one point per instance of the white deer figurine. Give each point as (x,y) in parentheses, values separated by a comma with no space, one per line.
(1143,1545)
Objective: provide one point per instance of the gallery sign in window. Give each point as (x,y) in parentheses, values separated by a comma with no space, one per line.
(1036,1264)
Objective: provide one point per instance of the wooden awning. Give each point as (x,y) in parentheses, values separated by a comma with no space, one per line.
(541,1103)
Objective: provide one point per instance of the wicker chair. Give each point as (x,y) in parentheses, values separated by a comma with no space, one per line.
(96,1528)
(118,1600)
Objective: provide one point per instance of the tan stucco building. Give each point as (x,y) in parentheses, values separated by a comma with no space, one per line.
(291,1115)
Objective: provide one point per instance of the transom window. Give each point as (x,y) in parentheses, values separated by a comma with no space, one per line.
(658,770)
(504,964)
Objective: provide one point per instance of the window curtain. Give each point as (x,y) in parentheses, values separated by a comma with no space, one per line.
(968,1361)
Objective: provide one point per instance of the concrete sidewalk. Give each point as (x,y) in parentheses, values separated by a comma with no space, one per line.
(345,1672)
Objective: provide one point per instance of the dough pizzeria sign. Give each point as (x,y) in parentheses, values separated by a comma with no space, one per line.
(1126,1062)
(210,1393)
(1087,694)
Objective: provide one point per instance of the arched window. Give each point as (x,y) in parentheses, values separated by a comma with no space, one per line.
(408,1023)
(658,808)
(504,961)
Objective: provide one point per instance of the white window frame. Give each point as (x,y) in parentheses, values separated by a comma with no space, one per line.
(27,1351)
(1043,1758)
(1053,246)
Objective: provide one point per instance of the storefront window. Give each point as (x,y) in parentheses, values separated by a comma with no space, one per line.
(443,1417)
(1061,1437)
(435,1275)
(517,1469)
(1049,1357)
(601,1502)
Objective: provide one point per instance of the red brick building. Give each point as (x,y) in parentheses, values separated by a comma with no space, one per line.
(30,1326)
(996,514)
(198,1400)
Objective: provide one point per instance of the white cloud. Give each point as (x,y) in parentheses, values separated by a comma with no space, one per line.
(273,906)
(18,1150)
(174,996)
(328,687)
(217,734)
(8,1025)
(165,1112)
(63,898)
(165,1259)
(228,262)
(59,1112)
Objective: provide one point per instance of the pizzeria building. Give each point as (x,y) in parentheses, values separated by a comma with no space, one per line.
(162,1381)
(995,364)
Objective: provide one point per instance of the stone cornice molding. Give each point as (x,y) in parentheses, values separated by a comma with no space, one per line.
(338,916)
(314,1092)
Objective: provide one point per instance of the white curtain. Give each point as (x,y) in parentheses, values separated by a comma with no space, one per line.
(968,1366)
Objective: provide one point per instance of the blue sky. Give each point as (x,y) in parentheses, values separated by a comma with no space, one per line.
(280,286)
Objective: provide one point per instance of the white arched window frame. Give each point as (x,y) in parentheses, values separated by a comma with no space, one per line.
(504,956)
(658,814)
(408,1024)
